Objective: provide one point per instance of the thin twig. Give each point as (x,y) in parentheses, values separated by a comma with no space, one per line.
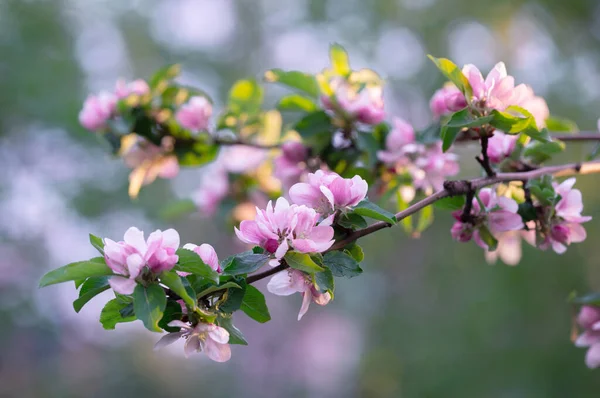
(226,142)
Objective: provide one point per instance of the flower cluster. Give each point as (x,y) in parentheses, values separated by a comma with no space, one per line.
(589,320)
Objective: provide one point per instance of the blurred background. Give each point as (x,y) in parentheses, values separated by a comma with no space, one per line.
(429,317)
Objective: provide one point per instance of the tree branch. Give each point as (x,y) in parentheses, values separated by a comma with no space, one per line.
(239,141)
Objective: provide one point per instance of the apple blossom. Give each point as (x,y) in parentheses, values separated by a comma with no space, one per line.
(137,87)
(195,114)
(284,227)
(207,253)
(433,167)
(289,165)
(399,142)
(213,188)
(509,245)
(97,110)
(500,146)
(327,191)
(361,103)
(447,100)
(293,281)
(589,320)
(204,337)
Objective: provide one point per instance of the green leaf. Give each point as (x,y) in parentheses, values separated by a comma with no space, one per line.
(342,264)
(172,312)
(539,152)
(450,203)
(589,299)
(339,60)
(527,211)
(454,74)
(430,134)
(214,288)
(457,122)
(149,304)
(296,103)
(197,153)
(177,209)
(234,298)
(371,210)
(561,124)
(313,124)
(75,271)
(97,243)
(90,289)
(302,262)
(355,251)
(173,281)
(245,263)
(324,281)
(488,238)
(235,334)
(514,124)
(258,250)
(246,96)
(163,75)
(370,146)
(254,305)
(352,221)
(425,218)
(111,314)
(191,262)
(297,80)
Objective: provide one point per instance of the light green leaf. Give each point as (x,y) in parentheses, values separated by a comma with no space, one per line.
(297,80)
(149,304)
(302,262)
(173,281)
(488,238)
(371,210)
(454,74)
(425,218)
(212,289)
(158,82)
(450,203)
(75,271)
(97,243)
(246,96)
(254,305)
(339,60)
(355,251)
(560,124)
(539,152)
(296,103)
(111,314)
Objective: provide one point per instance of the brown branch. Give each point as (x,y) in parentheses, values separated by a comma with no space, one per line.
(265,274)
(239,141)
(581,136)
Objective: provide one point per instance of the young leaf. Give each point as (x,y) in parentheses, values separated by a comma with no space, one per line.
(173,281)
(149,304)
(158,82)
(254,305)
(339,60)
(97,243)
(371,210)
(90,289)
(245,96)
(302,262)
(341,264)
(74,271)
(245,263)
(191,262)
(561,124)
(355,251)
(296,103)
(459,121)
(235,334)
(454,74)
(488,238)
(111,314)
(297,80)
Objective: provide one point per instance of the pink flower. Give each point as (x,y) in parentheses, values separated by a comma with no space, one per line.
(283,227)
(525,98)
(509,245)
(293,281)
(207,253)
(447,100)
(207,337)
(570,206)
(195,114)
(137,87)
(500,146)
(213,188)
(364,104)
(561,235)
(97,110)
(327,192)
(241,158)
(399,142)
(289,166)
(589,320)
(496,91)
(433,166)
(128,257)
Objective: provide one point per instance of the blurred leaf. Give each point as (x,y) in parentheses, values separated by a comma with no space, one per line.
(352,221)
(254,305)
(90,289)
(488,238)
(149,304)
(594,153)
(369,144)
(196,154)
(588,299)
(454,74)
(75,271)
(302,262)
(97,243)
(246,96)
(539,152)
(245,263)
(527,211)
(560,124)
(235,335)
(295,102)
(313,124)
(450,203)
(111,314)
(173,281)
(191,262)
(178,208)
(342,264)
(294,79)
(339,60)
(159,81)
(371,210)
(324,281)
(430,134)
(425,218)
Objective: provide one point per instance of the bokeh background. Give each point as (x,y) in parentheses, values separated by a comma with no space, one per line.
(429,317)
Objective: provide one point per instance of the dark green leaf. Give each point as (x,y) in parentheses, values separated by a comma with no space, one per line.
(258,250)
(90,289)
(429,135)
(457,122)
(173,312)
(191,262)
(302,262)
(111,314)
(450,203)
(235,335)
(245,263)
(197,153)
(254,305)
(214,288)
(527,211)
(173,281)
(234,298)
(324,281)
(97,243)
(454,74)
(371,210)
(352,221)
(313,124)
(76,271)
(294,79)
(149,304)
(342,264)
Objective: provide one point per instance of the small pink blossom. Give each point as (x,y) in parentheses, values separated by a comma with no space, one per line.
(509,245)
(399,142)
(207,337)
(137,87)
(289,165)
(242,158)
(327,192)
(128,257)
(363,104)
(97,110)
(447,100)
(195,114)
(433,167)
(293,281)
(284,227)
(589,320)
(501,146)
(213,188)
(207,253)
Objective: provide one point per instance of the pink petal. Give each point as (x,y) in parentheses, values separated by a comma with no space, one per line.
(304,194)
(217,352)
(122,285)
(250,233)
(191,345)
(135,263)
(134,237)
(306,299)
(219,335)
(283,284)
(592,358)
(282,249)
(208,254)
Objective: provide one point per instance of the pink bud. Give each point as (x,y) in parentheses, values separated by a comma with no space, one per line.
(195,114)
(364,104)
(97,110)
(294,151)
(447,100)
(501,146)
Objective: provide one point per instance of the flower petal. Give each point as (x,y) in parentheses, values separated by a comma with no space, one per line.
(122,285)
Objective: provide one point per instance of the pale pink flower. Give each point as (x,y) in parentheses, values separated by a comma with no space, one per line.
(195,114)
(137,87)
(293,281)
(399,142)
(524,97)
(207,253)
(501,146)
(284,227)
(128,257)
(589,320)
(509,245)
(433,166)
(290,164)
(207,337)
(242,158)
(327,191)
(447,100)
(570,206)
(363,104)
(213,188)
(97,110)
